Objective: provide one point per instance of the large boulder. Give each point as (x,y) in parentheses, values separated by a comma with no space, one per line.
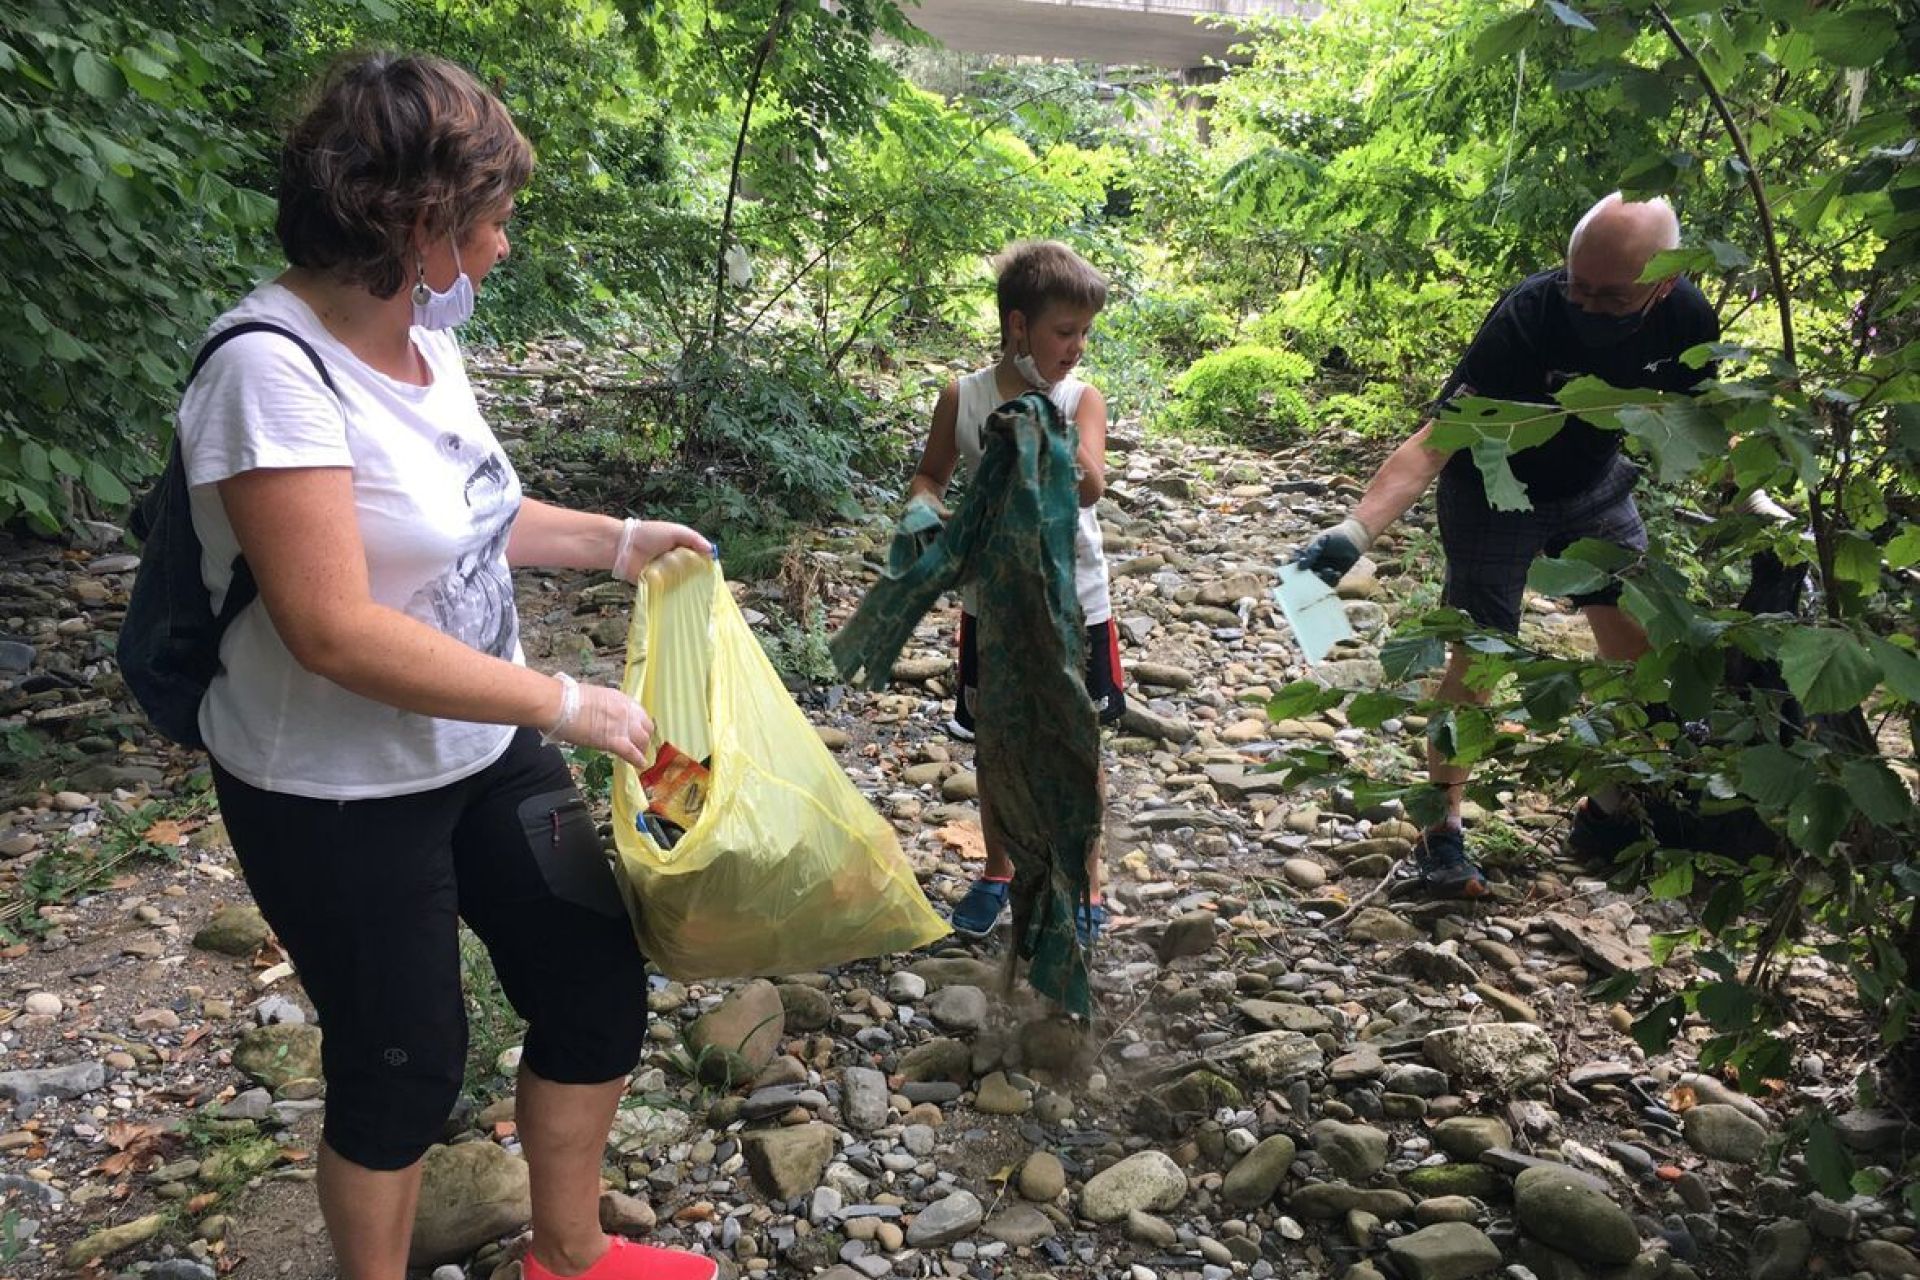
(470,1195)
(1147,1181)
(273,1055)
(1253,1181)
(787,1163)
(739,1036)
(1500,1057)
(1569,1214)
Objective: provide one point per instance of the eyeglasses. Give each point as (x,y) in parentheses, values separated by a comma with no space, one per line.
(1609,301)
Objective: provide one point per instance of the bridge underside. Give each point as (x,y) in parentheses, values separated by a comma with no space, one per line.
(1150,32)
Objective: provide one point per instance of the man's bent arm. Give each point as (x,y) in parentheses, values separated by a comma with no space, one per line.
(1406,474)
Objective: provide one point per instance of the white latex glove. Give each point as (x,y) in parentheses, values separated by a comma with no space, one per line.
(605,719)
(642,540)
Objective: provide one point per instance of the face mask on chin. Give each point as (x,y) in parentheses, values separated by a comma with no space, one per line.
(1027,369)
(435,310)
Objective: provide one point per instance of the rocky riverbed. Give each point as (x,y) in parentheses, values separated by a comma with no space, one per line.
(1276,1084)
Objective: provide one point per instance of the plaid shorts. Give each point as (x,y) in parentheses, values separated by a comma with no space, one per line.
(1489,552)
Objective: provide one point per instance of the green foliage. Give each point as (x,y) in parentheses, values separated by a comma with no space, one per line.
(798,648)
(1243,393)
(129,204)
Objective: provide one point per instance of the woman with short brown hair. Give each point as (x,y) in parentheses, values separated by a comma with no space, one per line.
(384,758)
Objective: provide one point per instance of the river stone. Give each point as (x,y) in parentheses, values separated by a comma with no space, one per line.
(1499,1057)
(104,1244)
(1780,1251)
(958,1008)
(806,1008)
(1446,1251)
(1376,924)
(278,1053)
(1021,1225)
(1202,1091)
(787,1163)
(1043,1177)
(1058,1045)
(234,930)
(1887,1260)
(1465,1137)
(1451,1180)
(71,1080)
(952,1217)
(739,1036)
(864,1099)
(1269,1057)
(1304,873)
(1278,1015)
(1146,1180)
(1253,1181)
(954,971)
(1324,1200)
(1355,1152)
(1146,1229)
(1190,935)
(1567,1214)
(1445,1209)
(470,1195)
(1724,1133)
(938,1059)
(998,1097)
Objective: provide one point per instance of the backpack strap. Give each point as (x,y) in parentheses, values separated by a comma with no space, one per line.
(242,589)
(225,336)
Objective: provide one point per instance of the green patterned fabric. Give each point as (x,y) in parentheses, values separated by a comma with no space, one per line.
(1037,736)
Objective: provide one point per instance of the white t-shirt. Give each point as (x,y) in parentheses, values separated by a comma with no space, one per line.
(979,397)
(435,497)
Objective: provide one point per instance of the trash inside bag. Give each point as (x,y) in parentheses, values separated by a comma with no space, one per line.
(785,868)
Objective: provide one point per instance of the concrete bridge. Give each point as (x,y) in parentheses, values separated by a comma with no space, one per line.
(1165,33)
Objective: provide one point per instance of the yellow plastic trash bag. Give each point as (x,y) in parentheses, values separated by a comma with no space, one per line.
(787,869)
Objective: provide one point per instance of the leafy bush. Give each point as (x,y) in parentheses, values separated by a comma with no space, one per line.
(1241,392)
(1377,409)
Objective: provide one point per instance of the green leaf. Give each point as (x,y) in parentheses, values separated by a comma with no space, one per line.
(97,77)
(1877,790)
(1504,490)
(1826,669)
(106,486)
(75,190)
(1509,35)
(1674,882)
(1692,678)
(1550,698)
(1904,548)
(1900,667)
(23,168)
(1656,1030)
(1856,559)
(1773,775)
(1661,946)
(1828,1161)
(1405,657)
(1680,434)
(1727,1006)
(1855,37)
(1723,906)
(1817,816)
(1570,16)
(1371,710)
(1302,698)
(1551,577)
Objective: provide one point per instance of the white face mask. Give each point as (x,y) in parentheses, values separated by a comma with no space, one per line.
(1031,372)
(434,310)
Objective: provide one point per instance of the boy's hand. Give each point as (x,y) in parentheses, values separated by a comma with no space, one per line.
(931,503)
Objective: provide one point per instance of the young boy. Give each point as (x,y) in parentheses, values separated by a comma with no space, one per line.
(1048,297)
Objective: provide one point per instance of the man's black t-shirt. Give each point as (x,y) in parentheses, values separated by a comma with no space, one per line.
(1527,349)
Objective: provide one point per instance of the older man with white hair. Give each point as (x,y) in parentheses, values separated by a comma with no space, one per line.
(1593,315)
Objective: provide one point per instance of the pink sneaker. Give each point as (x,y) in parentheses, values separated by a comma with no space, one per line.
(625,1260)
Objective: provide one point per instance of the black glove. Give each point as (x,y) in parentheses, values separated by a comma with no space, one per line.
(1332,553)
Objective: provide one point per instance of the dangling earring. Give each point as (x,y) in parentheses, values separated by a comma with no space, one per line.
(421,294)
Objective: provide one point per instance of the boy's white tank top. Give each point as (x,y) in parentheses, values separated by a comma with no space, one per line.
(979,397)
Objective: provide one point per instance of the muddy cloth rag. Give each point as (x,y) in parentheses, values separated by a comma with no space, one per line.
(1038,739)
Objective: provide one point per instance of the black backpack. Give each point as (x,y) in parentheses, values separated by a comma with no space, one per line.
(169,647)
